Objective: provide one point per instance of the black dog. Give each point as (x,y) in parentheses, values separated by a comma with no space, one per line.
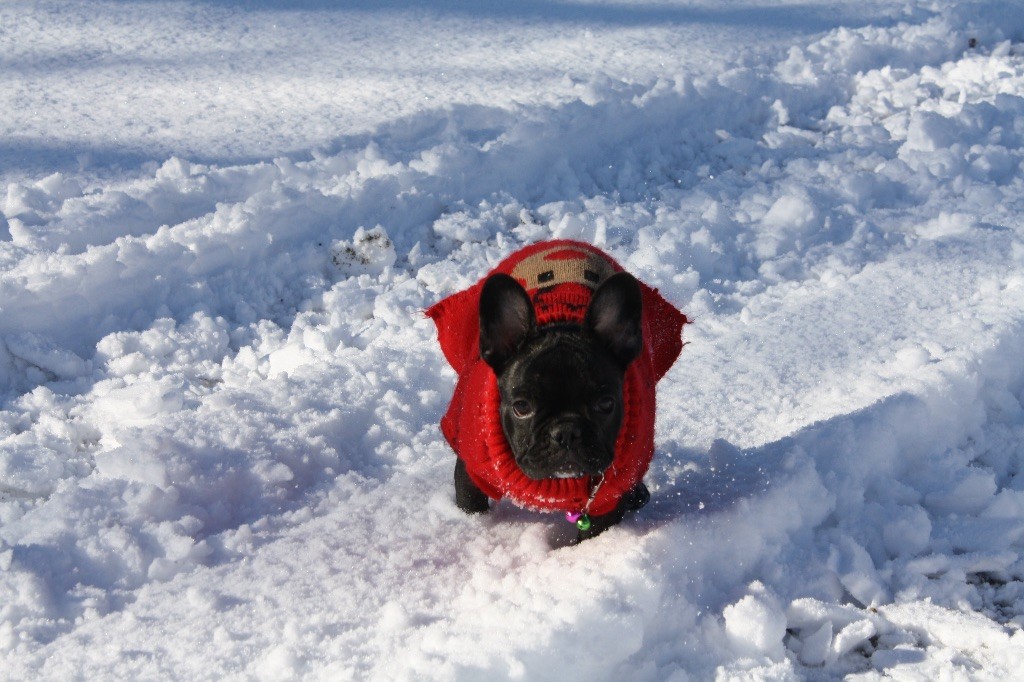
(560,386)
(558,352)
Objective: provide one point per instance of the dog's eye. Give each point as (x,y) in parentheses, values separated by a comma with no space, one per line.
(605,404)
(522,408)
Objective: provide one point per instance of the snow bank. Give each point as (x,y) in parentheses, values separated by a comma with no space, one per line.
(219,452)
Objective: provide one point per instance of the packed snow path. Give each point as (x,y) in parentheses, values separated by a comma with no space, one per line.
(219,452)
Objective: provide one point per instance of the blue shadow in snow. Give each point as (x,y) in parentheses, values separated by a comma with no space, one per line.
(807,17)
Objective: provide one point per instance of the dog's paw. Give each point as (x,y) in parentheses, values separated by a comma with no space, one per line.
(637,497)
(472,503)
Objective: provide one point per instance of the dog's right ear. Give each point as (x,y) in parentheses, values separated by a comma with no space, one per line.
(506,320)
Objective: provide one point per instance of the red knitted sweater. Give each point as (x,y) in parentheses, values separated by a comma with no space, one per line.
(560,277)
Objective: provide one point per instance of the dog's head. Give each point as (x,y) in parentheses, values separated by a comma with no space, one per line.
(561,385)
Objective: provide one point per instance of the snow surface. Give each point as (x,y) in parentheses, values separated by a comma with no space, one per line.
(219,451)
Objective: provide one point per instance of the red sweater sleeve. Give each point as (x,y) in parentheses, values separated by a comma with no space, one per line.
(663,330)
(457,319)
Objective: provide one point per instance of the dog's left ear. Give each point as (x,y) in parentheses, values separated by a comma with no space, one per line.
(614,316)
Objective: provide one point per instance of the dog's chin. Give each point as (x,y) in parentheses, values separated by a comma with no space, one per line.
(560,470)
(535,475)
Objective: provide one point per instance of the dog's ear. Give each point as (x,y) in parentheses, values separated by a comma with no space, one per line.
(614,316)
(506,320)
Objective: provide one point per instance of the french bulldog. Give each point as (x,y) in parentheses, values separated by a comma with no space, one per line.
(560,386)
(555,401)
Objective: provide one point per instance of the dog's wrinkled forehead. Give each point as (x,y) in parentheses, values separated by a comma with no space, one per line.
(559,265)
(561,353)
(561,362)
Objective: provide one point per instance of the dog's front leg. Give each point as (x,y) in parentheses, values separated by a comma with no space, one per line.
(468,497)
(633,500)
(599,524)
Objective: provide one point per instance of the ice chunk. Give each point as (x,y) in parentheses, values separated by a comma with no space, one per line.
(755,625)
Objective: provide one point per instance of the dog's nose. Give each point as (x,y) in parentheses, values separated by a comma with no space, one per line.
(567,435)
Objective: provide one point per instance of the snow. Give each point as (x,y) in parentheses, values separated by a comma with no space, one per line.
(219,396)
